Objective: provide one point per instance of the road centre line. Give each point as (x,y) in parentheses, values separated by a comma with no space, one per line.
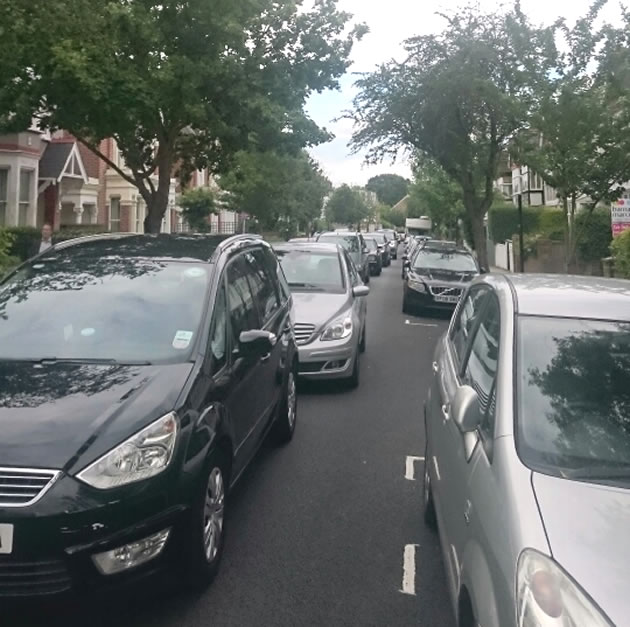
(410,468)
(409,569)
(420,324)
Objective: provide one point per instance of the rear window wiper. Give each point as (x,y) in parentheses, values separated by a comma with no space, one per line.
(85,360)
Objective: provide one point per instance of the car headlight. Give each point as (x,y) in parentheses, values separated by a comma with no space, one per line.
(371,257)
(339,328)
(416,285)
(143,455)
(546,595)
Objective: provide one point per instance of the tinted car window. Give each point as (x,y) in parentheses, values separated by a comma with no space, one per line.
(436,260)
(371,244)
(243,313)
(349,242)
(467,316)
(481,369)
(218,333)
(284,291)
(312,270)
(574,395)
(263,287)
(355,279)
(81,308)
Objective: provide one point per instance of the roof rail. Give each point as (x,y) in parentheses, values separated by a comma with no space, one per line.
(89,238)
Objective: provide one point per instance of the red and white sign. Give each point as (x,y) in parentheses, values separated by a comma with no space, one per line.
(620,216)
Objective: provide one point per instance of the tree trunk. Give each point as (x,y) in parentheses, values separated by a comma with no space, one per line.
(157,202)
(479,239)
(567,232)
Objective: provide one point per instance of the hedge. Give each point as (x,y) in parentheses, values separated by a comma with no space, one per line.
(620,248)
(25,237)
(503,222)
(595,232)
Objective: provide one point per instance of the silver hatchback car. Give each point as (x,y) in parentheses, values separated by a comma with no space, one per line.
(527,462)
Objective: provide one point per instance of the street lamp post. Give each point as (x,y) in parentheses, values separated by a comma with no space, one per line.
(521,255)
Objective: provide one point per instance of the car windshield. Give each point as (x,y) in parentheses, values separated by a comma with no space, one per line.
(312,271)
(379,237)
(574,396)
(349,242)
(371,244)
(111,309)
(444,260)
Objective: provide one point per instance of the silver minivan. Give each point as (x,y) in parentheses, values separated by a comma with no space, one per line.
(527,461)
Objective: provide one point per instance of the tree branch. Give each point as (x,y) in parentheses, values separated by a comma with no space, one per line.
(92,148)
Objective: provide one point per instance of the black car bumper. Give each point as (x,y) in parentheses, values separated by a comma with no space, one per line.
(55,540)
(428,300)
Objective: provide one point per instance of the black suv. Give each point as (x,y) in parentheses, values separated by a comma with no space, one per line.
(139,375)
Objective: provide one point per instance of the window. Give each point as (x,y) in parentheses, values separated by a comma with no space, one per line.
(355,279)
(26,178)
(262,284)
(4,194)
(114,215)
(218,333)
(139,227)
(349,242)
(243,314)
(535,182)
(274,264)
(467,316)
(312,271)
(481,369)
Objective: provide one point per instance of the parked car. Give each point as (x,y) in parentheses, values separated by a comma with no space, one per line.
(393,242)
(374,256)
(330,310)
(436,279)
(383,242)
(353,242)
(139,375)
(527,471)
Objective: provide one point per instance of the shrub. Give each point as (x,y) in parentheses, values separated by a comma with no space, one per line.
(594,233)
(503,222)
(620,248)
(23,239)
(7,261)
(78,231)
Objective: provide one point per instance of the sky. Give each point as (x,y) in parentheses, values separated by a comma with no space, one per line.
(390,23)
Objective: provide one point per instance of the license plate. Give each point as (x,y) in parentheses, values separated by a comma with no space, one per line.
(446,298)
(6,539)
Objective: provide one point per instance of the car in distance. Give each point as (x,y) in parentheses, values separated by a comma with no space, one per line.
(383,242)
(435,279)
(374,256)
(527,471)
(329,310)
(393,241)
(353,243)
(139,375)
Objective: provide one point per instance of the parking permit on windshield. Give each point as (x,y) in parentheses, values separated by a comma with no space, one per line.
(182,339)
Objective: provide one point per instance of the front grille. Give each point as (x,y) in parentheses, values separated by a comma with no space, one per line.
(437,290)
(20,487)
(19,578)
(303,332)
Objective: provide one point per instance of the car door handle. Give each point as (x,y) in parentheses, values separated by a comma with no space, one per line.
(445,412)
(435,366)
(467,511)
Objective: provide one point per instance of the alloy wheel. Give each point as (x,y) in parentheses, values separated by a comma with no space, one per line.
(291,400)
(214,508)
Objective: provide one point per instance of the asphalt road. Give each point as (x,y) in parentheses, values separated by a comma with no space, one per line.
(318,529)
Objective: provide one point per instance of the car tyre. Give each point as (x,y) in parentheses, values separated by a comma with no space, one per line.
(286,418)
(203,537)
(353,381)
(406,307)
(363,342)
(430,517)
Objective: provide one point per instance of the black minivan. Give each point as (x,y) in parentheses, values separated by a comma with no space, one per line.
(139,375)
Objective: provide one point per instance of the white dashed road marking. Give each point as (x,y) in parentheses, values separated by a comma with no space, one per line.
(409,570)
(410,473)
(420,324)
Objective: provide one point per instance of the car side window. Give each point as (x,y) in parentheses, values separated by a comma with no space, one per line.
(481,368)
(218,332)
(241,306)
(467,316)
(262,285)
(352,270)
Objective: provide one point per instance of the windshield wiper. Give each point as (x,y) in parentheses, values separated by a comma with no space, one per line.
(308,286)
(81,360)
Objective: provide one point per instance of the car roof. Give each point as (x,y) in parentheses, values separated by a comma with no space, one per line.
(165,246)
(571,296)
(307,247)
(338,233)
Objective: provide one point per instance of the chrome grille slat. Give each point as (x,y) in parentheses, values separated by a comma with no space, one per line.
(303,332)
(20,487)
(437,290)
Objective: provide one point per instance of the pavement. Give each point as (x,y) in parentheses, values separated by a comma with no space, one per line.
(327,530)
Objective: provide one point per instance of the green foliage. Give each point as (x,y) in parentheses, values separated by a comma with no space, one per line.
(280,190)
(620,248)
(503,222)
(7,260)
(457,97)
(389,188)
(198,205)
(23,238)
(395,218)
(346,206)
(593,235)
(179,85)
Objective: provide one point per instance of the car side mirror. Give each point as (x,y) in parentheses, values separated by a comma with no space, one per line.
(465,409)
(360,290)
(256,343)
(406,264)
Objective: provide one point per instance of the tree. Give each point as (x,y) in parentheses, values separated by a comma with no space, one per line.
(346,206)
(277,189)
(577,137)
(457,98)
(198,205)
(389,188)
(393,217)
(433,193)
(178,84)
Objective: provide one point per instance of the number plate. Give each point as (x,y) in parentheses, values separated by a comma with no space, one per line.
(446,298)
(6,539)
